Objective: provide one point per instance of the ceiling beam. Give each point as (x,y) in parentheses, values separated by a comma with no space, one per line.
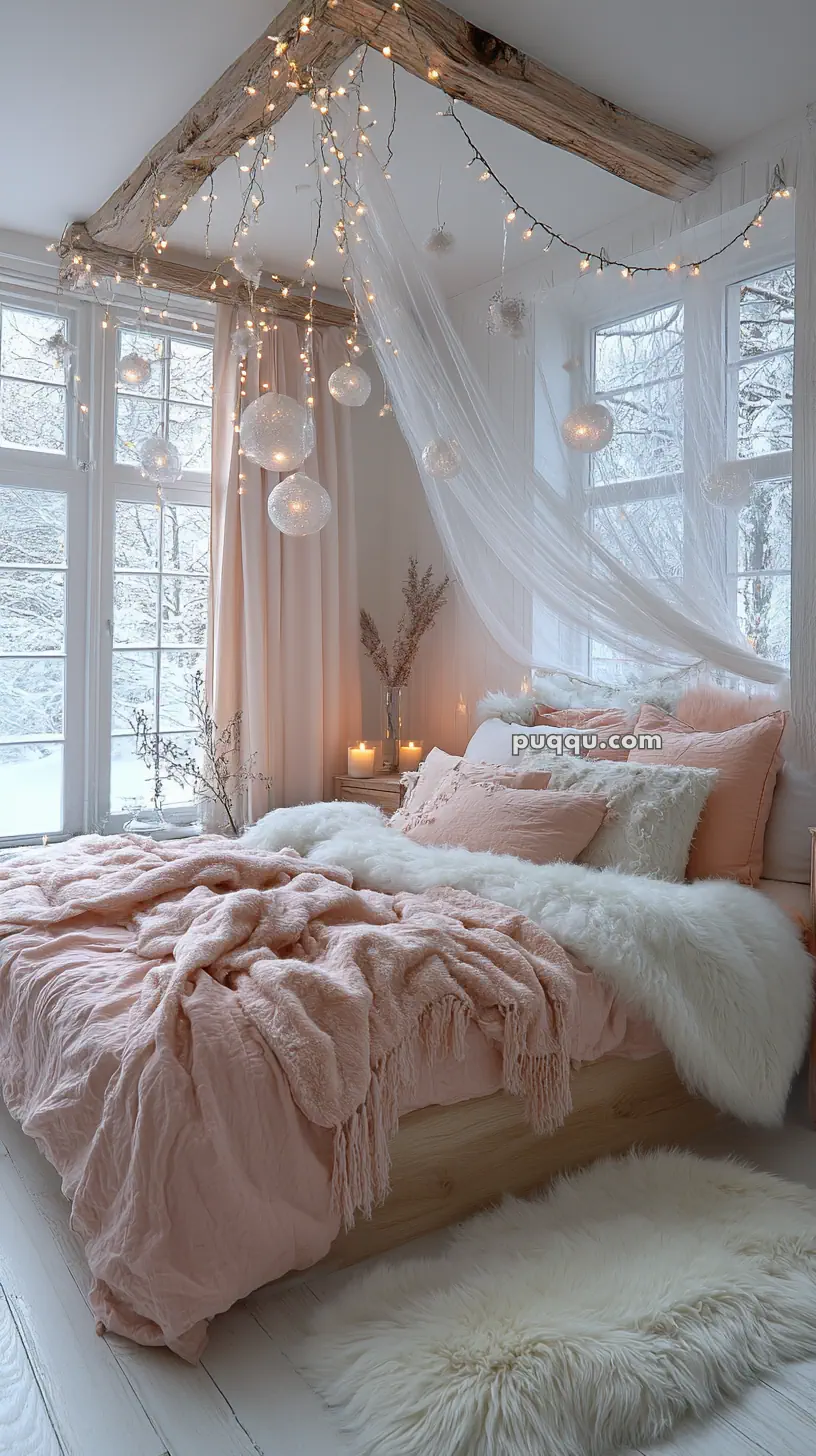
(246,100)
(423,35)
(182,278)
(476,67)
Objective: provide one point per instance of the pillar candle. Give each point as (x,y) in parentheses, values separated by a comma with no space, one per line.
(409,755)
(361,761)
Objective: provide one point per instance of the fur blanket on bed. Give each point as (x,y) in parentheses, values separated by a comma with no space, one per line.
(717,968)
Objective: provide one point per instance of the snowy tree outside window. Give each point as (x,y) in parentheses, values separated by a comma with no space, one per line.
(161,560)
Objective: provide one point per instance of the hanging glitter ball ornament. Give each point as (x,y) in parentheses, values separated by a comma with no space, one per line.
(277,432)
(729,487)
(160,460)
(440,241)
(349,384)
(442,458)
(507,316)
(241,341)
(588,428)
(247,262)
(299,506)
(133,369)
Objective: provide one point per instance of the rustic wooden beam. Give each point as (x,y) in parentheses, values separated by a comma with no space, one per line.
(193,282)
(245,101)
(476,67)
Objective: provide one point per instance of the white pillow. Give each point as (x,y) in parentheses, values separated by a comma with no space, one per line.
(653,810)
(493,741)
(786,852)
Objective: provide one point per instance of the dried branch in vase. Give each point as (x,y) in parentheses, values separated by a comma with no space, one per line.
(217,774)
(424,598)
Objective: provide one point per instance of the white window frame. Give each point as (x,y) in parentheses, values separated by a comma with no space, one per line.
(70,474)
(124,482)
(706,302)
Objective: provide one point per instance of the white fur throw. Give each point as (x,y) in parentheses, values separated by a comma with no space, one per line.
(716,967)
(592,1319)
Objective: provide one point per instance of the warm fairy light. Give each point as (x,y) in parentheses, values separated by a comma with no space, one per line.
(746,242)
(433,74)
(584,264)
(527,234)
(386,51)
(511,215)
(624,272)
(251,90)
(694,270)
(672,267)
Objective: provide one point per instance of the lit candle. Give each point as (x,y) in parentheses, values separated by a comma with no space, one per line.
(409,756)
(361,761)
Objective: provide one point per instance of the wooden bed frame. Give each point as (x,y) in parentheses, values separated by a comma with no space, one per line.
(448,1162)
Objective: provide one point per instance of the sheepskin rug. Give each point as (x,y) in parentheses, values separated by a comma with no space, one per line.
(596,1316)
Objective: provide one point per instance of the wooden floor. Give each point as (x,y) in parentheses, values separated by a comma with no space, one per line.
(65,1392)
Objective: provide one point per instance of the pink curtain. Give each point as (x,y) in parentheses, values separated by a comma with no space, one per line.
(283,610)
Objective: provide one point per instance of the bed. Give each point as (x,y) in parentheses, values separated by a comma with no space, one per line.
(187,1198)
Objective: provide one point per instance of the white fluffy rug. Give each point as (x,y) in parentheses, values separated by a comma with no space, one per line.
(595,1317)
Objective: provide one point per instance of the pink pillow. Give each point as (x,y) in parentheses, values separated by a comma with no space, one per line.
(439,763)
(708,708)
(595,720)
(539,826)
(728,840)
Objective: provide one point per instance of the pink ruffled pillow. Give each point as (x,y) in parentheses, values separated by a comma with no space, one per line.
(729,837)
(487,814)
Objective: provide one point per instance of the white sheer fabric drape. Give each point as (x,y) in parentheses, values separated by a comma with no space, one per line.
(284,611)
(499,519)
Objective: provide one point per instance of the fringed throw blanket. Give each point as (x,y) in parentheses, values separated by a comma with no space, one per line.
(152,993)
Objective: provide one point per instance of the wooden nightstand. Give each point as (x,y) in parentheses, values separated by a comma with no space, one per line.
(383,790)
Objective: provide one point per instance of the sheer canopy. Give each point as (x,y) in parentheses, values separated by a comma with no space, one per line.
(637,553)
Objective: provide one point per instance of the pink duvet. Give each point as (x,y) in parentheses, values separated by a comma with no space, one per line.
(199,1177)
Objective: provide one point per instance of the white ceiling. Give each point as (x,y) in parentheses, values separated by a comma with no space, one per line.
(86,89)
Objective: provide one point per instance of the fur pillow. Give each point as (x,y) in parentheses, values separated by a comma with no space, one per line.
(438,764)
(653,811)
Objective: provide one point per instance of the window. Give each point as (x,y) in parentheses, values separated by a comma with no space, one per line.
(760,432)
(33,570)
(641,489)
(33,394)
(636,483)
(175,398)
(160,556)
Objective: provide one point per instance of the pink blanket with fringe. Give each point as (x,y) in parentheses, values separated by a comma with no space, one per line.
(161,1003)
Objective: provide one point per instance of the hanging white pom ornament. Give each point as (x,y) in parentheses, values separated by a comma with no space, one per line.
(440,241)
(133,369)
(507,316)
(160,460)
(241,341)
(277,432)
(442,458)
(247,261)
(299,506)
(349,384)
(728,487)
(588,428)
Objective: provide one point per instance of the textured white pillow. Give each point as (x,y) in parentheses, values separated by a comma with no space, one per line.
(653,810)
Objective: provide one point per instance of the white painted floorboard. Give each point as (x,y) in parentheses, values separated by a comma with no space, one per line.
(65,1392)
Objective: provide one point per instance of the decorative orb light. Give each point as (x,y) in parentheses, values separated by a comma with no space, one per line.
(133,369)
(507,316)
(440,241)
(277,432)
(247,262)
(241,341)
(299,506)
(729,487)
(349,384)
(588,428)
(442,458)
(160,460)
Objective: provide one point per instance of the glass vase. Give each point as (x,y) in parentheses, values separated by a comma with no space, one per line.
(391,729)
